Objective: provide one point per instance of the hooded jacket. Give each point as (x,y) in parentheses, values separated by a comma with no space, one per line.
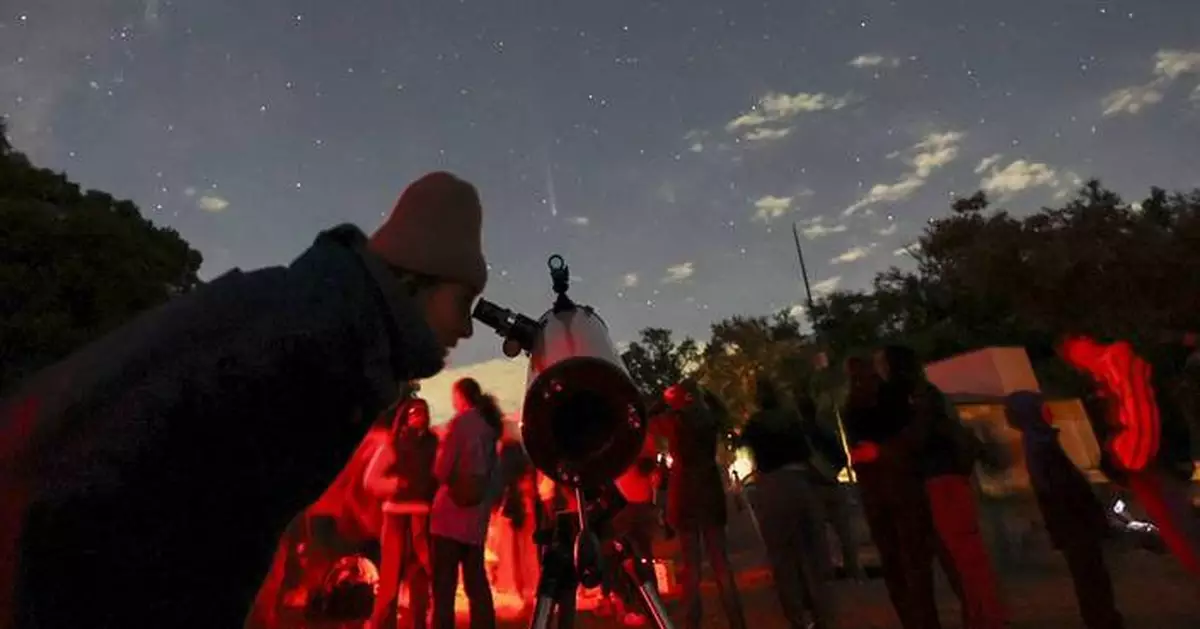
(146,477)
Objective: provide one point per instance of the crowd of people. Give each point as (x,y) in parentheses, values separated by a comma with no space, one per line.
(145,478)
(426,509)
(915,464)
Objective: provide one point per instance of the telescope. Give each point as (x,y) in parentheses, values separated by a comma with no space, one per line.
(583,424)
(583,421)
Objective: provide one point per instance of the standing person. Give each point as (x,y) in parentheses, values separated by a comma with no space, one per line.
(829,460)
(469,486)
(124,466)
(791,514)
(512,532)
(947,453)
(402,474)
(893,496)
(1132,407)
(696,499)
(1073,517)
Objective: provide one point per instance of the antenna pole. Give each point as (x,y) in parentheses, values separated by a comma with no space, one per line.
(803,268)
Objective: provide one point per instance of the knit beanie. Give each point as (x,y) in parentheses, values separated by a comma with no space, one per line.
(435,230)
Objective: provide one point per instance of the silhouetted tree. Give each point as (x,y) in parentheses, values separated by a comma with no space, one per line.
(74,264)
(743,348)
(656,361)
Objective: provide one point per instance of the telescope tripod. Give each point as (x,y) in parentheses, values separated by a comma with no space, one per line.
(572,555)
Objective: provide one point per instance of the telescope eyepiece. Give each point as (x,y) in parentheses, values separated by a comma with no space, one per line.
(512,326)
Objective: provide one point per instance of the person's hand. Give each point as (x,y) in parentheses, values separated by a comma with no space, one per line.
(865,452)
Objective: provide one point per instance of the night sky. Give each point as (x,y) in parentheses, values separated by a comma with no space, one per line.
(664,148)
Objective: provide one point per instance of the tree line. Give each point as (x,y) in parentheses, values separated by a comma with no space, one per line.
(982,276)
(74,264)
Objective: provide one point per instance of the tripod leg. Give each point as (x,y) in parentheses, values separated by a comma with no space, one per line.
(555,606)
(641,571)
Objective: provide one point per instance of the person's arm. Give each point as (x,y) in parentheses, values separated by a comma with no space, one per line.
(377,480)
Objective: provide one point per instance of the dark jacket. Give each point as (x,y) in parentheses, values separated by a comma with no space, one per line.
(695,490)
(1070,510)
(775,438)
(146,478)
(930,430)
(416,450)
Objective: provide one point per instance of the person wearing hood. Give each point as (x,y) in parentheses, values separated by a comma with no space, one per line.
(146,477)
(1074,519)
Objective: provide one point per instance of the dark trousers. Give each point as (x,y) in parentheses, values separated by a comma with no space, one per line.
(791,517)
(404,555)
(448,556)
(1093,585)
(836,500)
(695,542)
(897,512)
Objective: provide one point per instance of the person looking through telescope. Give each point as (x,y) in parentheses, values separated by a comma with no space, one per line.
(696,498)
(123,465)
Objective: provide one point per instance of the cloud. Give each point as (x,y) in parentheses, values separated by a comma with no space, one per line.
(1017,176)
(1133,99)
(1020,175)
(889,230)
(875,61)
(582,221)
(764,134)
(1172,64)
(768,118)
(933,152)
(853,254)
(987,163)
(908,250)
(679,272)
(502,377)
(816,228)
(212,203)
(630,280)
(824,287)
(1169,67)
(769,208)
(695,139)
